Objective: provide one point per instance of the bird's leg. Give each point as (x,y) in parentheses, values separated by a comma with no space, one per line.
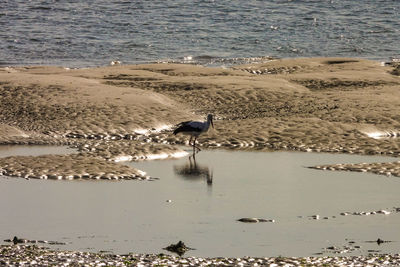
(194,144)
(190,160)
(190,140)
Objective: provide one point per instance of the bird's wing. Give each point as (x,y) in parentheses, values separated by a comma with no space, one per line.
(196,124)
(193,124)
(189,126)
(182,123)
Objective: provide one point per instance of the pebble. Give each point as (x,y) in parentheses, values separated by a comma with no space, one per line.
(248,220)
(115,62)
(17,240)
(255,220)
(385,212)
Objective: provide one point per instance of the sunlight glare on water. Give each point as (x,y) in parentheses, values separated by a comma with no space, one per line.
(82,34)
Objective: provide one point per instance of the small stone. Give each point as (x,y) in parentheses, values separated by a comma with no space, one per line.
(179,248)
(380,241)
(248,220)
(385,212)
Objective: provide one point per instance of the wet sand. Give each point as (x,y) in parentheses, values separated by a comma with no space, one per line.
(312,104)
(34,255)
(67,167)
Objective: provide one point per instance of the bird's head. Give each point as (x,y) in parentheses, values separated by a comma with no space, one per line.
(210,119)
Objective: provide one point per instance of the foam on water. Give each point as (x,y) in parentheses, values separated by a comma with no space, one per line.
(382,134)
(126,158)
(122,158)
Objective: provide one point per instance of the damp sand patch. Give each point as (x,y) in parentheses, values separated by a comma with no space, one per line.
(294,134)
(381,168)
(337,84)
(88,159)
(67,167)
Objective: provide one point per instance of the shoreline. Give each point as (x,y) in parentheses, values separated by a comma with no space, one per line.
(211,62)
(35,255)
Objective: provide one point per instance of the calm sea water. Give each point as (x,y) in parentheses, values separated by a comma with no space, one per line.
(207,194)
(92,33)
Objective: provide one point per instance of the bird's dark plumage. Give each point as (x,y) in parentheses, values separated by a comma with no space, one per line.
(194,129)
(186,127)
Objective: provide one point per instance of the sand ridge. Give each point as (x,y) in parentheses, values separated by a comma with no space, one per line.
(305,104)
(67,167)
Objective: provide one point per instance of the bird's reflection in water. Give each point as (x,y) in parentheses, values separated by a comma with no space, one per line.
(194,171)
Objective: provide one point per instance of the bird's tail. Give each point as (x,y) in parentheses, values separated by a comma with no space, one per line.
(179,127)
(177,130)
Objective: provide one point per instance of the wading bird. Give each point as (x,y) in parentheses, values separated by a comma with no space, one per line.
(194,129)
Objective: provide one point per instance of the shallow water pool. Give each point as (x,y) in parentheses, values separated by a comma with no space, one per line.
(199,200)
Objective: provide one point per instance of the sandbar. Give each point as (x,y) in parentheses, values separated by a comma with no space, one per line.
(127,112)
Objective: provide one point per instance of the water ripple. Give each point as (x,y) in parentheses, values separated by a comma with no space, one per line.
(78,34)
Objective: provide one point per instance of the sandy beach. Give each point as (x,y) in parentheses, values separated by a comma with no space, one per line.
(341,105)
(127,113)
